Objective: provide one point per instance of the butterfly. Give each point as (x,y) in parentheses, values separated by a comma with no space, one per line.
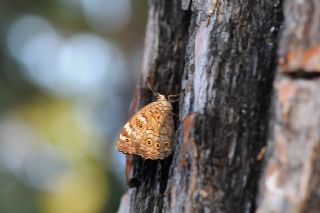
(149,133)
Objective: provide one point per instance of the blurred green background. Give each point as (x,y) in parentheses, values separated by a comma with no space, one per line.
(67,73)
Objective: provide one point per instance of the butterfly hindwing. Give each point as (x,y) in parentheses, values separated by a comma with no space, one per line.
(149,133)
(157,140)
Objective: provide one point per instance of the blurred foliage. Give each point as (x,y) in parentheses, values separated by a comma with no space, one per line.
(55,156)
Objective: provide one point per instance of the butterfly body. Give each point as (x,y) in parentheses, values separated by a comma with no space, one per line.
(149,133)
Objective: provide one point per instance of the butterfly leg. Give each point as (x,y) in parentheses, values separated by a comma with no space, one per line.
(172,96)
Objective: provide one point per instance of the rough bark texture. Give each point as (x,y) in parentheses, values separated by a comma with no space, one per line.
(299,49)
(224,73)
(291,181)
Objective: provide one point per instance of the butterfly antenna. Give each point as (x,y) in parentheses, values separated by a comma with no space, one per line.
(172,96)
(154,93)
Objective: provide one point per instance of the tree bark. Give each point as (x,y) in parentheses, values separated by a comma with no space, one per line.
(291,180)
(224,73)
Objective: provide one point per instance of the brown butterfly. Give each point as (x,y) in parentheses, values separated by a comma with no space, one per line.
(149,133)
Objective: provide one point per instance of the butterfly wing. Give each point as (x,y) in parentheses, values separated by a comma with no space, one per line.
(149,133)
(157,140)
(132,133)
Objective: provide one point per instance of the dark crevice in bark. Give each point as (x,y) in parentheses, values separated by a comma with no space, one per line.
(301,74)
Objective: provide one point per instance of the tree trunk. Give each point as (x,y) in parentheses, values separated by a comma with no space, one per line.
(223,67)
(291,180)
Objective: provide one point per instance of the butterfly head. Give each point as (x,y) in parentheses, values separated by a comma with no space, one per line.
(161,97)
